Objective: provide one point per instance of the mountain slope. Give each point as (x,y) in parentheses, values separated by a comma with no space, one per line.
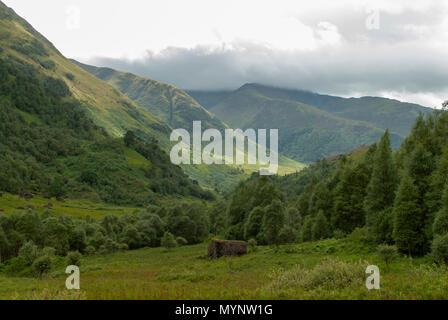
(61,133)
(306,133)
(381,112)
(177,107)
(167,102)
(106,106)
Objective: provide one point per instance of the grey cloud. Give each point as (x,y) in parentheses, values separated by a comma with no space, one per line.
(392,59)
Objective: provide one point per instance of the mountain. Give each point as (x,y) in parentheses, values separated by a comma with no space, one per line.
(167,102)
(106,106)
(64,132)
(180,110)
(309,132)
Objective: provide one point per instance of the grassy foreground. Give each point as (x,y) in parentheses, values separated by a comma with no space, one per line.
(331,269)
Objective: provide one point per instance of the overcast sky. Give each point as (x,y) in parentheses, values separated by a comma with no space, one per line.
(392,48)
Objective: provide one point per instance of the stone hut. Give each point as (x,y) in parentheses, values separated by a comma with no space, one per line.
(220,248)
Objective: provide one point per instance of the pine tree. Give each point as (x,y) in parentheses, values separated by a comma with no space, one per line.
(348,212)
(381,188)
(307,229)
(408,219)
(321,199)
(320,229)
(440,226)
(421,166)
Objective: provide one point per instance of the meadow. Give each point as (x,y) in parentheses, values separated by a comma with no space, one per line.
(329,269)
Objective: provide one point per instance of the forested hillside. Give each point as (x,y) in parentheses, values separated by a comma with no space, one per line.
(391,197)
(312,126)
(62,133)
(166,102)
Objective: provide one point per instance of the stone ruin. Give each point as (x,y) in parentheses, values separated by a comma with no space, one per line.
(225,248)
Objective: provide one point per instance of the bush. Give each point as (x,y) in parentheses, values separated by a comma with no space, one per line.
(123,247)
(90,250)
(252,245)
(181,241)
(15,265)
(29,252)
(440,248)
(387,253)
(48,251)
(41,266)
(168,241)
(74,258)
(331,274)
(339,234)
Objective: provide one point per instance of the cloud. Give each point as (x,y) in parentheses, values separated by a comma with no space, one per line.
(328,51)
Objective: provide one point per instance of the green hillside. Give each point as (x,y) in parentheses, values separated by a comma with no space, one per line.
(381,112)
(167,102)
(180,110)
(306,133)
(62,133)
(106,106)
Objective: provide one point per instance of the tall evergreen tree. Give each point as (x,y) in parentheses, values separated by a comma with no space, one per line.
(320,229)
(382,186)
(348,212)
(440,226)
(408,231)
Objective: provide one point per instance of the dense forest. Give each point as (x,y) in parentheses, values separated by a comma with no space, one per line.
(49,146)
(395,198)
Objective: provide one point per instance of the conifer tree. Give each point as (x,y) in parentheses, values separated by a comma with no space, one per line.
(320,229)
(307,229)
(440,226)
(382,186)
(408,230)
(348,212)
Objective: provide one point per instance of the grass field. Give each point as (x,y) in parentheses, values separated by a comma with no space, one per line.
(305,271)
(77,208)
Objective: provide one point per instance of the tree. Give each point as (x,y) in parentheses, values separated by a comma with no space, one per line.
(382,186)
(41,266)
(293,218)
(320,228)
(440,248)
(4,244)
(29,252)
(408,230)
(440,226)
(253,224)
(348,212)
(273,222)
(307,229)
(168,241)
(129,138)
(387,253)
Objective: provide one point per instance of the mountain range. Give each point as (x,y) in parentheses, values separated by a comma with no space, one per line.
(312,126)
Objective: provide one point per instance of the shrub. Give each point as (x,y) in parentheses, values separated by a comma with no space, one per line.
(70,76)
(41,266)
(29,252)
(48,251)
(74,258)
(168,241)
(387,253)
(339,234)
(181,241)
(90,250)
(123,247)
(331,274)
(440,248)
(252,245)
